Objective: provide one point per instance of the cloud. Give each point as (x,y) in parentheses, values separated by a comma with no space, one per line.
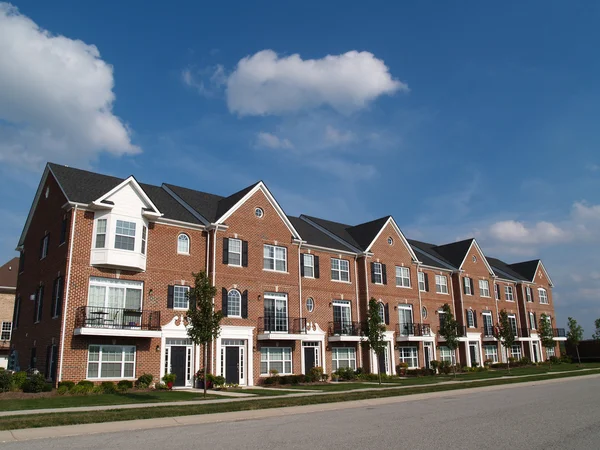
(592,167)
(268,140)
(56,98)
(334,136)
(207,81)
(265,83)
(513,232)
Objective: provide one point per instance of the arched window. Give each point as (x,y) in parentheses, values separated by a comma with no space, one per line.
(183,244)
(382,312)
(234,303)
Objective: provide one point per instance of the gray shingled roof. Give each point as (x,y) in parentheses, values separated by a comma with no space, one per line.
(504,270)
(454,252)
(314,236)
(203,203)
(428,256)
(526,268)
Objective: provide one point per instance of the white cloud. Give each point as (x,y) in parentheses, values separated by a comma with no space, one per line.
(584,212)
(269,140)
(265,83)
(513,232)
(205,81)
(56,98)
(334,136)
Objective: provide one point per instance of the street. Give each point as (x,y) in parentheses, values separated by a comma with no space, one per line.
(560,415)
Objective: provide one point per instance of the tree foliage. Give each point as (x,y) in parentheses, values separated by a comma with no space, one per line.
(545,332)
(505,333)
(375,331)
(575,335)
(596,334)
(449,330)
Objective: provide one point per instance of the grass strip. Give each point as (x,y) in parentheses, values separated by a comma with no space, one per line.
(57,419)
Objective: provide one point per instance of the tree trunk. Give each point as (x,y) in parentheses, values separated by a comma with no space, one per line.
(578,358)
(205,368)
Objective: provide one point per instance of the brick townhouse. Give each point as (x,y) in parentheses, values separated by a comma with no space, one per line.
(106,264)
(8,286)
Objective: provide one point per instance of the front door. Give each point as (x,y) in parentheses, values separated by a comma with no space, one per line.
(427,348)
(309,359)
(535,352)
(473,353)
(178,364)
(232,365)
(383,360)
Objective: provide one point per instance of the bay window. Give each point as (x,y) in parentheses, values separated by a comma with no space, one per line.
(125,235)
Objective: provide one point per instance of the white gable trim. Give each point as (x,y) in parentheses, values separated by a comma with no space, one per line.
(332,235)
(545,272)
(399,232)
(131,180)
(489,268)
(263,188)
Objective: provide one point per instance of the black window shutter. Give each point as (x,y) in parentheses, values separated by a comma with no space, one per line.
(426,282)
(33,358)
(499,292)
(472,288)
(245,304)
(384,276)
(170,295)
(61,291)
(41,306)
(225,251)
(316,263)
(475,318)
(244,253)
(301,264)
(42,246)
(48,361)
(35,304)
(372,272)
(224,301)
(535,319)
(386,312)
(53,305)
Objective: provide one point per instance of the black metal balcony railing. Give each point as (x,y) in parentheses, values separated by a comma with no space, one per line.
(488,331)
(116,318)
(345,328)
(461,330)
(524,332)
(413,329)
(290,325)
(559,332)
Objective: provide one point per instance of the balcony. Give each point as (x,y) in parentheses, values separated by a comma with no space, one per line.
(461,331)
(104,321)
(281,328)
(345,331)
(413,331)
(488,332)
(559,334)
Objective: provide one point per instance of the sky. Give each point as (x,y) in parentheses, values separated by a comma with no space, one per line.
(460,119)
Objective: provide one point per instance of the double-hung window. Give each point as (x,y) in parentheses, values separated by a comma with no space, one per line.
(470,318)
(421,277)
(484,288)
(532,321)
(309,265)
(409,355)
(125,235)
(543,296)
(467,286)
(528,294)
(39,304)
(234,256)
(180,297)
(497,290)
(403,277)
(516,352)
(340,270)
(234,303)
(183,244)
(491,353)
(6,331)
(377,273)
(550,352)
(276,359)
(111,361)
(441,284)
(445,354)
(508,292)
(275,258)
(343,357)
(512,320)
(144,239)
(100,233)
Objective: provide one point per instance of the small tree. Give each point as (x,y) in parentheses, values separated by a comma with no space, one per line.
(545,332)
(574,336)
(203,321)
(375,330)
(449,331)
(596,335)
(505,333)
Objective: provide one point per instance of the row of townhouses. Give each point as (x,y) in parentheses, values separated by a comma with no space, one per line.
(106,264)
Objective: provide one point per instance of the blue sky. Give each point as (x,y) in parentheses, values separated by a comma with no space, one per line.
(458,118)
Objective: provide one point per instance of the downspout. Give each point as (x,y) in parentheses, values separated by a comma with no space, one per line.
(300,262)
(357,301)
(65,309)
(214,280)
(367,292)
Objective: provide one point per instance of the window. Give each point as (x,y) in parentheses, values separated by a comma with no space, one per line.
(101,233)
(382,312)
(144,239)
(234,303)
(470,318)
(6,331)
(488,327)
(342,317)
(490,353)
(44,246)
(390,241)
(234,252)
(467,282)
(180,297)
(513,323)
(343,357)
(111,361)
(508,292)
(39,304)
(403,277)
(63,230)
(484,288)
(516,352)
(276,358)
(113,296)
(275,258)
(409,355)
(550,352)
(377,273)
(441,284)
(258,212)
(405,320)
(125,235)
(340,270)
(57,297)
(543,296)
(497,290)
(309,265)
(532,321)
(422,286)
(528,294)
(276,312)
(445,354)
(183,244)
(423,313)
(310,304)
(474,258)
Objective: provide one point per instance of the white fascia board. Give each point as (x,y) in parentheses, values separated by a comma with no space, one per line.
(130,180)
(329,250)
(449,267)
(177,223)
(540,263)
(400,234)
(436,269)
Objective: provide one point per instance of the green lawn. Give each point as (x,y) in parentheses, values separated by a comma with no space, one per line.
(261,392)
(67,401)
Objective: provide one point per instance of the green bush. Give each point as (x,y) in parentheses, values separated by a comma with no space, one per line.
(566,359)
(525,361)
(67,384)
(144,381)
(82,389)
(401,368)
(18,379)
(124,385)
(270,381)
(86,383)
(62,390)
(6,380)
(218,381)
(108,387)
(554,360)
(499,366)
(346,374)
(36,383)
(160,386)
(315,374)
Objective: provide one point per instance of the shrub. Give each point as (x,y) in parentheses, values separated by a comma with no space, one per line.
(511,360)
(18,379)
(218,381)
(566,359)
(67,384)
(62,390)
(270,381)
(169,378)
(6,380)
(144,381)
(435,365)
(401,368)
(124,385)
(108,387)
(481,369)
(499,366)
(525,361)
(346,374)
(160,386)
(324,377)
(81,389)
(86,383)
(37,383)
(315,374)
(445,367)
(554,360)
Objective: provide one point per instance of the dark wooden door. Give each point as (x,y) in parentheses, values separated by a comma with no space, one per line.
(178,365)
(309,359)
(381,359)
(232,365)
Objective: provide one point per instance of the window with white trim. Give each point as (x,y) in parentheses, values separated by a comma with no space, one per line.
(543,296)
(310,304)
(421,277)
(125,235)
(528,294)
(100,233)
(484,288)
(6,331)
(516,352)
(340,269)
(467,286)
(512,320)
(508,293)
(377,273)
(403,277)
(343,357)
(441,284)
(183,244)
(532,323)
(309,265)
(180,297)
(382,312)
(445,354)
(497,291)
(470,318)
(490,353)
(275,258)
(113,296)
(550,352)
(234,252)
(276,358)
(409,355)
(234,303)
(111,361)
(144,239)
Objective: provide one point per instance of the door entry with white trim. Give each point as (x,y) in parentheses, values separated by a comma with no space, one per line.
(311,356)
(179,360)
(232,361)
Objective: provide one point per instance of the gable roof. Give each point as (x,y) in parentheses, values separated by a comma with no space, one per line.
(337,229)
(428,256)
(365,233)
(455,252)
(504,270)
(225,204)
(8,274)
(205,204)
(528,269)
(313,236)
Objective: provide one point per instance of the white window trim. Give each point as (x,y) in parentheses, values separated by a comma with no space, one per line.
(275,247)
(179,252)
(134,237)
(528,294)
(113,282)
(467,285)
(235,316)
(421,279)
(472,314)
(340,271)
(484,286)
(187,290)
(540,290)
(414,358)
(377,265)
(284,360)
(311,258)
(45,241)
(509,293)
(105,234)
(403,278)
(99,362)
(493,353)
(335,359)
(532,324)
(231,252)
(445,284)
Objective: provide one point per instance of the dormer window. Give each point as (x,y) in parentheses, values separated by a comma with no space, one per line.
(125,235)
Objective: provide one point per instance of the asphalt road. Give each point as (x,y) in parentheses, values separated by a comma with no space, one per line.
(563,415)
